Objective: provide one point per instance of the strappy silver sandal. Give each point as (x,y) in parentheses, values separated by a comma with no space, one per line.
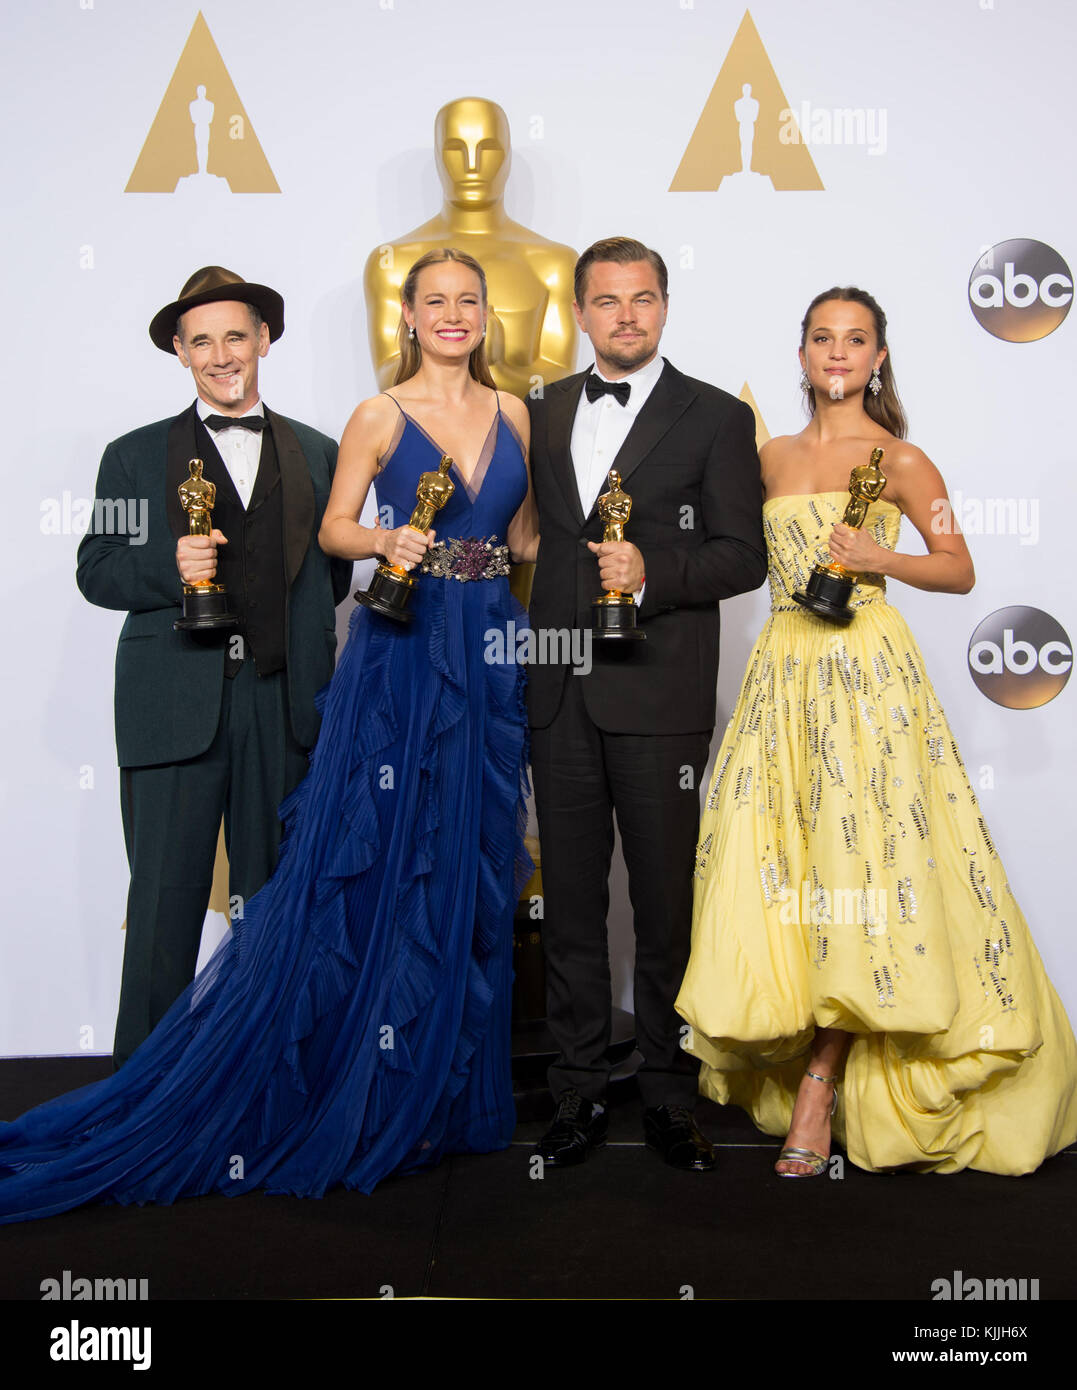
(816,1162)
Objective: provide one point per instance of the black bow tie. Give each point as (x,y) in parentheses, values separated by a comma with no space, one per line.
(256,423)
(595,387)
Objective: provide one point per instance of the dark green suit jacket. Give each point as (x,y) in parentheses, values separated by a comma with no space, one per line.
(169,684)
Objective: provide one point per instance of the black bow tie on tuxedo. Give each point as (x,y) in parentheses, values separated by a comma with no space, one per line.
(257,423)
(595,387)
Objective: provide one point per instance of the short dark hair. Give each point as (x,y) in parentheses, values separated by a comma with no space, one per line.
(623,250)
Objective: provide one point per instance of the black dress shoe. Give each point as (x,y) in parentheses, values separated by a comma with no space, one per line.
(672,1131)
(576,1130)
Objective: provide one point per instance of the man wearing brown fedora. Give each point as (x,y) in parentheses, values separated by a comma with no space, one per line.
(210,724)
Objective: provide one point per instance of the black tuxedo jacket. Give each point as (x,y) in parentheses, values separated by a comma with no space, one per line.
(169,684)
(690,465)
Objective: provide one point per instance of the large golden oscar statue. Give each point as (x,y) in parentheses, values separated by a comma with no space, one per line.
(531,330)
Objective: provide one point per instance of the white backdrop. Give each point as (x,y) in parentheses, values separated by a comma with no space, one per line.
(602,99)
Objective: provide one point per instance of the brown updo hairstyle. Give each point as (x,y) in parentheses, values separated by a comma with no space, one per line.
(885,408)
(410,353)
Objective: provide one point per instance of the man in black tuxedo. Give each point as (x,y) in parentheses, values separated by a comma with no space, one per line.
(631,735)
(210,723)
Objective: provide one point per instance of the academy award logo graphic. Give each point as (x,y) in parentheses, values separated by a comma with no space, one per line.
(1020,290)
(762,434)
(201,139)
(1020,657)
(746,132)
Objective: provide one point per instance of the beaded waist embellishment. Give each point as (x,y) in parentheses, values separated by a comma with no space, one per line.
(466,558)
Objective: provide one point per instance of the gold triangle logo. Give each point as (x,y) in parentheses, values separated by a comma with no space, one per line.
(746,130)
(201,137)
(762,434)
(218,893)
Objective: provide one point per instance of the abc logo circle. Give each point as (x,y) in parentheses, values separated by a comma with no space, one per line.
(1020,657)
(1020,290)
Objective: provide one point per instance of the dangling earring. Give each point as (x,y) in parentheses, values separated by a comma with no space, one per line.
(411,332)
(875,385)
(805,384)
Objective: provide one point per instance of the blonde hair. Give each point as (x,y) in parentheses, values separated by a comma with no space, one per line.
(411,356)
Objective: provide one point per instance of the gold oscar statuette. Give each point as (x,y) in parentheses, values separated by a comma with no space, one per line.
(390,589)
(531,329)
(829,586)
(205,604)
(613,614)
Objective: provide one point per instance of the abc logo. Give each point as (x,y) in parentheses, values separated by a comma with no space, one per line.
(1020,290)
(1020,657)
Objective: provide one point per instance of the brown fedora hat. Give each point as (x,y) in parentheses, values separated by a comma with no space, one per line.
(207,286)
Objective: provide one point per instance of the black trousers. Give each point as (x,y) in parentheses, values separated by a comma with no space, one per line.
(171,817)
(583,776)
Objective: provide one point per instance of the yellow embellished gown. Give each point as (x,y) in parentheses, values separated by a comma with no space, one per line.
(845,878)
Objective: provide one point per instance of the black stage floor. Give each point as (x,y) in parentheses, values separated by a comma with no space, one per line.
(622,1226)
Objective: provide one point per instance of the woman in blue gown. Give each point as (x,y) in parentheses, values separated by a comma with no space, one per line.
(356,1022)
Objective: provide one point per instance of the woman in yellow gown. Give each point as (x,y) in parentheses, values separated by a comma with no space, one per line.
(858,961)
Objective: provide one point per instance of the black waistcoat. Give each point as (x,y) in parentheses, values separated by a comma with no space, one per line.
(251,565)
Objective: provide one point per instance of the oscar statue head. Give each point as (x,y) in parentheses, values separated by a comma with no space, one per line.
(471,139)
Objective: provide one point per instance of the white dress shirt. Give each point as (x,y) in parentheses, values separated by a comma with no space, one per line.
(601,427)
(240,450)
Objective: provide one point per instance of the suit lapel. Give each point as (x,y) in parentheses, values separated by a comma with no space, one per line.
(297,495)
(667,402)
(182,447)
(561,414)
